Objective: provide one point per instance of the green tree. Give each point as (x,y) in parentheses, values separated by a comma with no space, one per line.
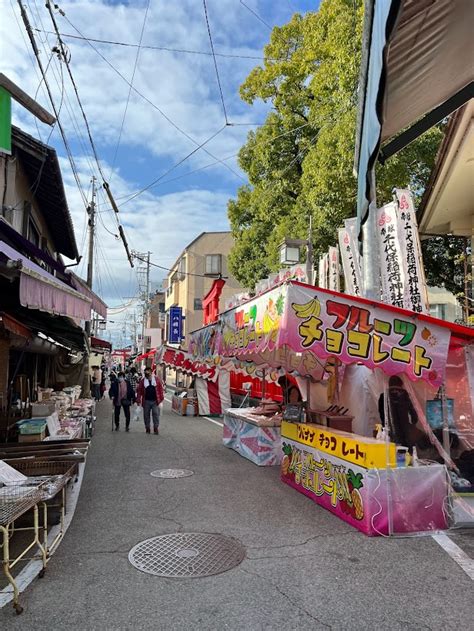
(300,161)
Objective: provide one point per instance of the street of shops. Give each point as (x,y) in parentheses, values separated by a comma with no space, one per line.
(304,568)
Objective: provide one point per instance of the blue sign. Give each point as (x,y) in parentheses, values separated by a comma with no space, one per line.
(175,331)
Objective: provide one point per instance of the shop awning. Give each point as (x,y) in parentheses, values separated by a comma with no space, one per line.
(98,305)
(97,343)
(150,353)
(40,290)
(299,328)
(416,69)
(12,325)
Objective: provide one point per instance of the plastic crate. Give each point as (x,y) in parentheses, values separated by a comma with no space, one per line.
(28,427)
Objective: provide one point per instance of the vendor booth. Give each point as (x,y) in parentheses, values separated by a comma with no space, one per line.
(209,390)
(384,409)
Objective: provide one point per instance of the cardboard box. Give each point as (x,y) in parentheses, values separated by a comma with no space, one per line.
(32,438)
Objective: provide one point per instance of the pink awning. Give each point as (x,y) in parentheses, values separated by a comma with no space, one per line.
(40,290)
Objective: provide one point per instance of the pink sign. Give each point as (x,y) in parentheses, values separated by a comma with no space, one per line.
(329,325)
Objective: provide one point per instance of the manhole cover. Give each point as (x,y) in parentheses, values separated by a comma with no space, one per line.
(187,555)
(172,473)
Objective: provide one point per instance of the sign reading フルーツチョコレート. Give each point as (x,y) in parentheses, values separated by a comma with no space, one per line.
(317,324)
(367,453)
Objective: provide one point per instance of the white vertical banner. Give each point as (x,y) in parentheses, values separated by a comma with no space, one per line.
(350,262)
(391,255)
(323,272)
(334,269)
(415,290)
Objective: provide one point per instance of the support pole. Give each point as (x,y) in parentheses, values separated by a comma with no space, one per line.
(90,274)
(370,258)
(309,257)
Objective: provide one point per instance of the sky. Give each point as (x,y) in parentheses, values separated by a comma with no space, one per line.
(145,135)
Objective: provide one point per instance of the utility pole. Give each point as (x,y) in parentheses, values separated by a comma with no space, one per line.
(146,300)
(90,272)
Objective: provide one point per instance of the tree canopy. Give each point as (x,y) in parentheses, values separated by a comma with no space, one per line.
(300,161)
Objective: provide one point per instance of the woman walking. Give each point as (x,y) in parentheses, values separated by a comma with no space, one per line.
(149,395)
(122,395)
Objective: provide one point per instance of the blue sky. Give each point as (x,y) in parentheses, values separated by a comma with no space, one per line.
(182,85)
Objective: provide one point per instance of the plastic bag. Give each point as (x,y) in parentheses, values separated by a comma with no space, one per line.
(137,412)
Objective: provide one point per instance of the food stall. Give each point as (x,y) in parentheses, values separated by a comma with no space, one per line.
(352,357)
(209,393)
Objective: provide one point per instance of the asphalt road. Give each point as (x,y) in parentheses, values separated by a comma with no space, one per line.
(304,568)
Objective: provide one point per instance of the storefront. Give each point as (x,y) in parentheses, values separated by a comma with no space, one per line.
(352,358)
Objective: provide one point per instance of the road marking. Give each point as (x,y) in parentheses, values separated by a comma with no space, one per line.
(211,420)
(459,556)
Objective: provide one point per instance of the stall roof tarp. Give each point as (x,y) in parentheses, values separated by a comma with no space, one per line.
(299,327)
(98,305)
(98,343)
(418,55)
(40,290)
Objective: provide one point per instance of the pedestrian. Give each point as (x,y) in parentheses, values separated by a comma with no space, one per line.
(150,394)
(96,381)
(134,378)
(122,395)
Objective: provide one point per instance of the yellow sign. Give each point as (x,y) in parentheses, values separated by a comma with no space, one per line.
(364,452)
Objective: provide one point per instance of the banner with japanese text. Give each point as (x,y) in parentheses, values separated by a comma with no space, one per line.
(391,256)
(415,289)
(350,262)
(334,272)
(323,271)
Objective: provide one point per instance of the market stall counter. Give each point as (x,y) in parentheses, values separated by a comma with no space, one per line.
(347,474)
(254,436)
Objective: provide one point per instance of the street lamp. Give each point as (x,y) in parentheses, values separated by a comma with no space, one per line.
(290,252)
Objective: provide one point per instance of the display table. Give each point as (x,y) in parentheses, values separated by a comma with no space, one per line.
(256,438)
(347,474)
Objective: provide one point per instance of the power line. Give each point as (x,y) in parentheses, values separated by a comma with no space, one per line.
(162,48)
(158,109)
(169,269)
(129,90)
(53,105)
(215,61)
(140,192)
(256,15)
(94,150)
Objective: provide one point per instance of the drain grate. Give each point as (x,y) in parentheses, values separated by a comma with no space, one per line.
(172,473)
(187,555)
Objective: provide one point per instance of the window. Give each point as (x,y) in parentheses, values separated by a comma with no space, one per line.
(438,311)
(213,264)
(197,304)
(182,269)
(33,233)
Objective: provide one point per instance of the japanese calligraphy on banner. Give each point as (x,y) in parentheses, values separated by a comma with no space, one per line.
(391,255)
(175,333)
(356,332)
(415,289)
(334,274)
(350,262)
(323,271)
(183,361)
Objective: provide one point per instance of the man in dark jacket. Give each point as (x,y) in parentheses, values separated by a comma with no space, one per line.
(401,411)
(150,394)
(122,395)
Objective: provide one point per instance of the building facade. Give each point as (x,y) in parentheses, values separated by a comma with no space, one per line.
(192,275)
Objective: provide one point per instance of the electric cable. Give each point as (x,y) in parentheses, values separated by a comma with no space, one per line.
(129,90)
(256,15)
(215,61)
(53,105)
(147,100)
(161,48)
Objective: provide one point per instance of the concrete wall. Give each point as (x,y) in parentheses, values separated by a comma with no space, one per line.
(443,304)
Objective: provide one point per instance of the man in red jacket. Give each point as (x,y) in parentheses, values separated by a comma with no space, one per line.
(149,395)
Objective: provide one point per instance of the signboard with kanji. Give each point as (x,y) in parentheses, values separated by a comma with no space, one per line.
(175,331)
